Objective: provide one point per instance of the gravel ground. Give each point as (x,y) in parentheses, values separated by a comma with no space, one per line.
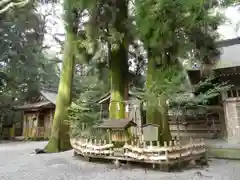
(17,162)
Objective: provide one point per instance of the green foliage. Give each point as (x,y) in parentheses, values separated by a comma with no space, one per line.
(23,62)
(179,94)
(173,32)
(24,68)
(82,117)
(174,29)
(85,110)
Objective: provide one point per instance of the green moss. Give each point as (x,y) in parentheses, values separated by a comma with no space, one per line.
(52,145)
(165,129)
(118,65)
(158,114)
(59,140)
(151,112)
(64,138)
(116,106)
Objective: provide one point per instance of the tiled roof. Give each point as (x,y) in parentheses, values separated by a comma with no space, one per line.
(116,124)
(50,101)
(49,95)
(33,106)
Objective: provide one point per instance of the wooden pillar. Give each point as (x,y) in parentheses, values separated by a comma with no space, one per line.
(50,123)
(37,119)
(127,106)
(232,119)
(12,132)
(25,126)
(126,98)
(35,125)
(223,132)
(52,117)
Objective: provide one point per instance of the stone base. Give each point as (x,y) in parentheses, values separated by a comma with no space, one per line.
(223,149)
(234,141)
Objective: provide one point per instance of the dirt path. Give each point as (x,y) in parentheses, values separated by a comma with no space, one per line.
(18,163)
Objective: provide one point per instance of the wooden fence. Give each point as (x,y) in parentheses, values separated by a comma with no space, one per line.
(172,152)
(39,132)
(92,146)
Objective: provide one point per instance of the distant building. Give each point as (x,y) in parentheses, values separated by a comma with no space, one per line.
(38,116)
(227,69)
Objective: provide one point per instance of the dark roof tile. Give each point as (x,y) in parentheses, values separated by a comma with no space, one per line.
(32,106)
(116,124)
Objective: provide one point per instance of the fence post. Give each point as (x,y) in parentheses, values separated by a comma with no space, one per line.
(166,151)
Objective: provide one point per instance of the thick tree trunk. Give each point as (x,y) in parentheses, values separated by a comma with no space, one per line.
(165,129)
(151,112)
(159,114)
(118,65)
(117,106)
(59,140)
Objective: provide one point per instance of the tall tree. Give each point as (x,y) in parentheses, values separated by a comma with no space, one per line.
(107,32)
(59,140)
(118,63)
(172,31)
(24,66)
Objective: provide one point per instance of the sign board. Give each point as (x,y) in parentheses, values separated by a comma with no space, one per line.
(150,133)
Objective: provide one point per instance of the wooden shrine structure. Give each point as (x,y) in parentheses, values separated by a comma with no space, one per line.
(38,115)
(135,149)
(227,69)
(222,119)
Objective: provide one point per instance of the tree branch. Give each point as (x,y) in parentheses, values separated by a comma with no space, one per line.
(11,5)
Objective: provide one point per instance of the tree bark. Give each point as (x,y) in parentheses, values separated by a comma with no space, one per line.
(117,106)
(159,114)
(151,112)
(118,64)
(59,140)
(165,129)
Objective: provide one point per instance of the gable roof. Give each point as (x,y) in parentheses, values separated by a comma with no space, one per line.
(49,95)
(35,106)
(118,124)
(48,102)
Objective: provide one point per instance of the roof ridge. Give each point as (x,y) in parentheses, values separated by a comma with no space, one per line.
(228,42)
(49,90)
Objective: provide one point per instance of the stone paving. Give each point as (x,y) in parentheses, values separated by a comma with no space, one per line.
(18,162)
